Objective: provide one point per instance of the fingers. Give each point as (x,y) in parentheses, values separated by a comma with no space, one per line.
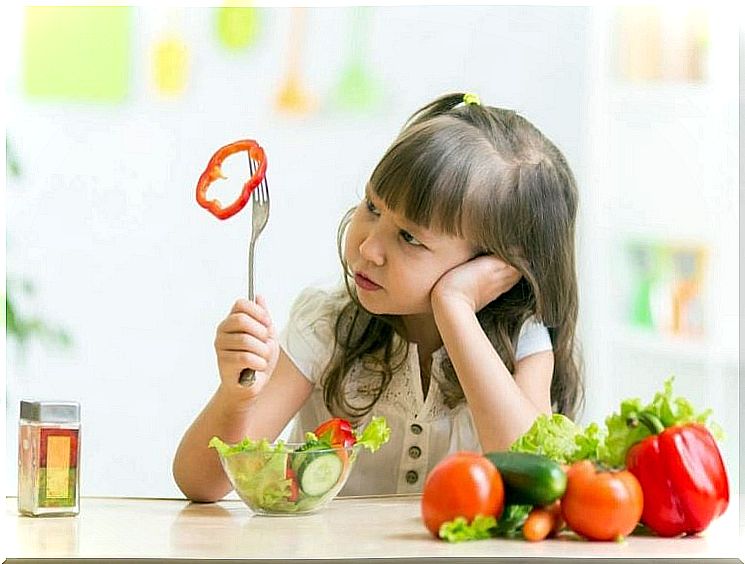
(235,361)
(509,274)
(490,265)
(256,310)
(262,302)
(243,324)
(245,339)
(501,276)
(499,266)
(243,342)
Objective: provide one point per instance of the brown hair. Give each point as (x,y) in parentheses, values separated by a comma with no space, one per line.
(488,175)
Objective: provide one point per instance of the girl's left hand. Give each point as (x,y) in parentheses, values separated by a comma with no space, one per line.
(476,282)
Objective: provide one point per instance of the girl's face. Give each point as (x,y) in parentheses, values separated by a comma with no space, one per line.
(396,263)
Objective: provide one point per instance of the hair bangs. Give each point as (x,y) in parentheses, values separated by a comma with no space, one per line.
(425,176)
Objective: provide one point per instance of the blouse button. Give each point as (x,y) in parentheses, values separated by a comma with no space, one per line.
(411,477)
(415,452)
(416,429)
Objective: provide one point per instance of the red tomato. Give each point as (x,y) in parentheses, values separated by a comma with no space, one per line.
(601,505)
(338,431)
(463,484)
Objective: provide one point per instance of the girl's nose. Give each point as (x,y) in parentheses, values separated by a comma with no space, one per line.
(371,249)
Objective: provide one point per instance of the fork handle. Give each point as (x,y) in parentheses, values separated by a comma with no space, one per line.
(248,376)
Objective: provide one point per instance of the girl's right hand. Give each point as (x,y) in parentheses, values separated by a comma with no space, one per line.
(246,339)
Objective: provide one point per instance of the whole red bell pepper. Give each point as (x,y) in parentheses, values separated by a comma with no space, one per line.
(682,475)
(213,171)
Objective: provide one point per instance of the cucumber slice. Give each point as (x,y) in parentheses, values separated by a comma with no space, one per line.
(319,473)
(300,456)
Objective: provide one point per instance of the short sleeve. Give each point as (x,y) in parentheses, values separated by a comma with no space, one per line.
(308,337)
(534,338)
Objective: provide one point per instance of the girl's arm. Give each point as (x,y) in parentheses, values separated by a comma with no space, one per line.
(245,339)
(196,467)
(503,407)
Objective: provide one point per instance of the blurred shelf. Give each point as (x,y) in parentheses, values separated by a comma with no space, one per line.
(689,349)
(650,90)
(678,103)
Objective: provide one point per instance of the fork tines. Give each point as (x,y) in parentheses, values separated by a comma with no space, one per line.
(262,194)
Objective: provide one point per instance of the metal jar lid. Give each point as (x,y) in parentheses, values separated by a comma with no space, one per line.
(50,411)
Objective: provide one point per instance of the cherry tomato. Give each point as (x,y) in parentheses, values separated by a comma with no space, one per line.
(601,505)
(338,431)
(463,484)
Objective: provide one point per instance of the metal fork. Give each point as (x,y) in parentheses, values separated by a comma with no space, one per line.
(259,218)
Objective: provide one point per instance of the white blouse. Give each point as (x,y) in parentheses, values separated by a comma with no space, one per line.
(423,430)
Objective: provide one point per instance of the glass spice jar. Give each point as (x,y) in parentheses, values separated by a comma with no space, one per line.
(48,458)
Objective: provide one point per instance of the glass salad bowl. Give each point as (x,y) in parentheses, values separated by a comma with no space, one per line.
(294,478)
(282,479)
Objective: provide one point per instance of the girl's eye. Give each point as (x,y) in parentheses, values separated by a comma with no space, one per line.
(371,207)
(409,238)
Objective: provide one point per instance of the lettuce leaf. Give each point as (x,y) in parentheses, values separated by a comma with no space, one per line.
(459,529)
(508,525)
(375,434)
(246,445)
(259,473)
(624,429)
(558,438)
(562,440)
(588,443)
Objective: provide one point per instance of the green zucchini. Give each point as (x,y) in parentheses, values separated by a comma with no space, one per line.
(529,479)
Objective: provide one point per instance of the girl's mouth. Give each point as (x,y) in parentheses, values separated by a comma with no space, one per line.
(365,283)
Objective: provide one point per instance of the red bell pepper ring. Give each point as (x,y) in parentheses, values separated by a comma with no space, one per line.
(337,431)
(213,172)
(682,476)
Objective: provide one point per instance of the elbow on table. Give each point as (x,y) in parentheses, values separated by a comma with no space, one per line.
(202,498)
(201,495)
(199,492)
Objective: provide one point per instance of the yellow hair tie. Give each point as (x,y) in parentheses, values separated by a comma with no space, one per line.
(469,99)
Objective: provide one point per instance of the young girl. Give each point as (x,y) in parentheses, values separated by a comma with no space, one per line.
(456,320)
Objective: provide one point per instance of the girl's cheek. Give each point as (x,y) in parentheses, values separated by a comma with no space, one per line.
(352,243)
(348,247)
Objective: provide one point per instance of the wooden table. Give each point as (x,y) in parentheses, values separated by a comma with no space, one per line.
(351,529)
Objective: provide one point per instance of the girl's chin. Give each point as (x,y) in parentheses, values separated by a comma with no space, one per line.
(373,305)
(370,305)
(378,308)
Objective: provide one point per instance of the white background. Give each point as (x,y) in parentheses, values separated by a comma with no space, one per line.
(104,220)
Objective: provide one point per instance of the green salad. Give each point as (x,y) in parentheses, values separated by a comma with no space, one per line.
(283,478)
